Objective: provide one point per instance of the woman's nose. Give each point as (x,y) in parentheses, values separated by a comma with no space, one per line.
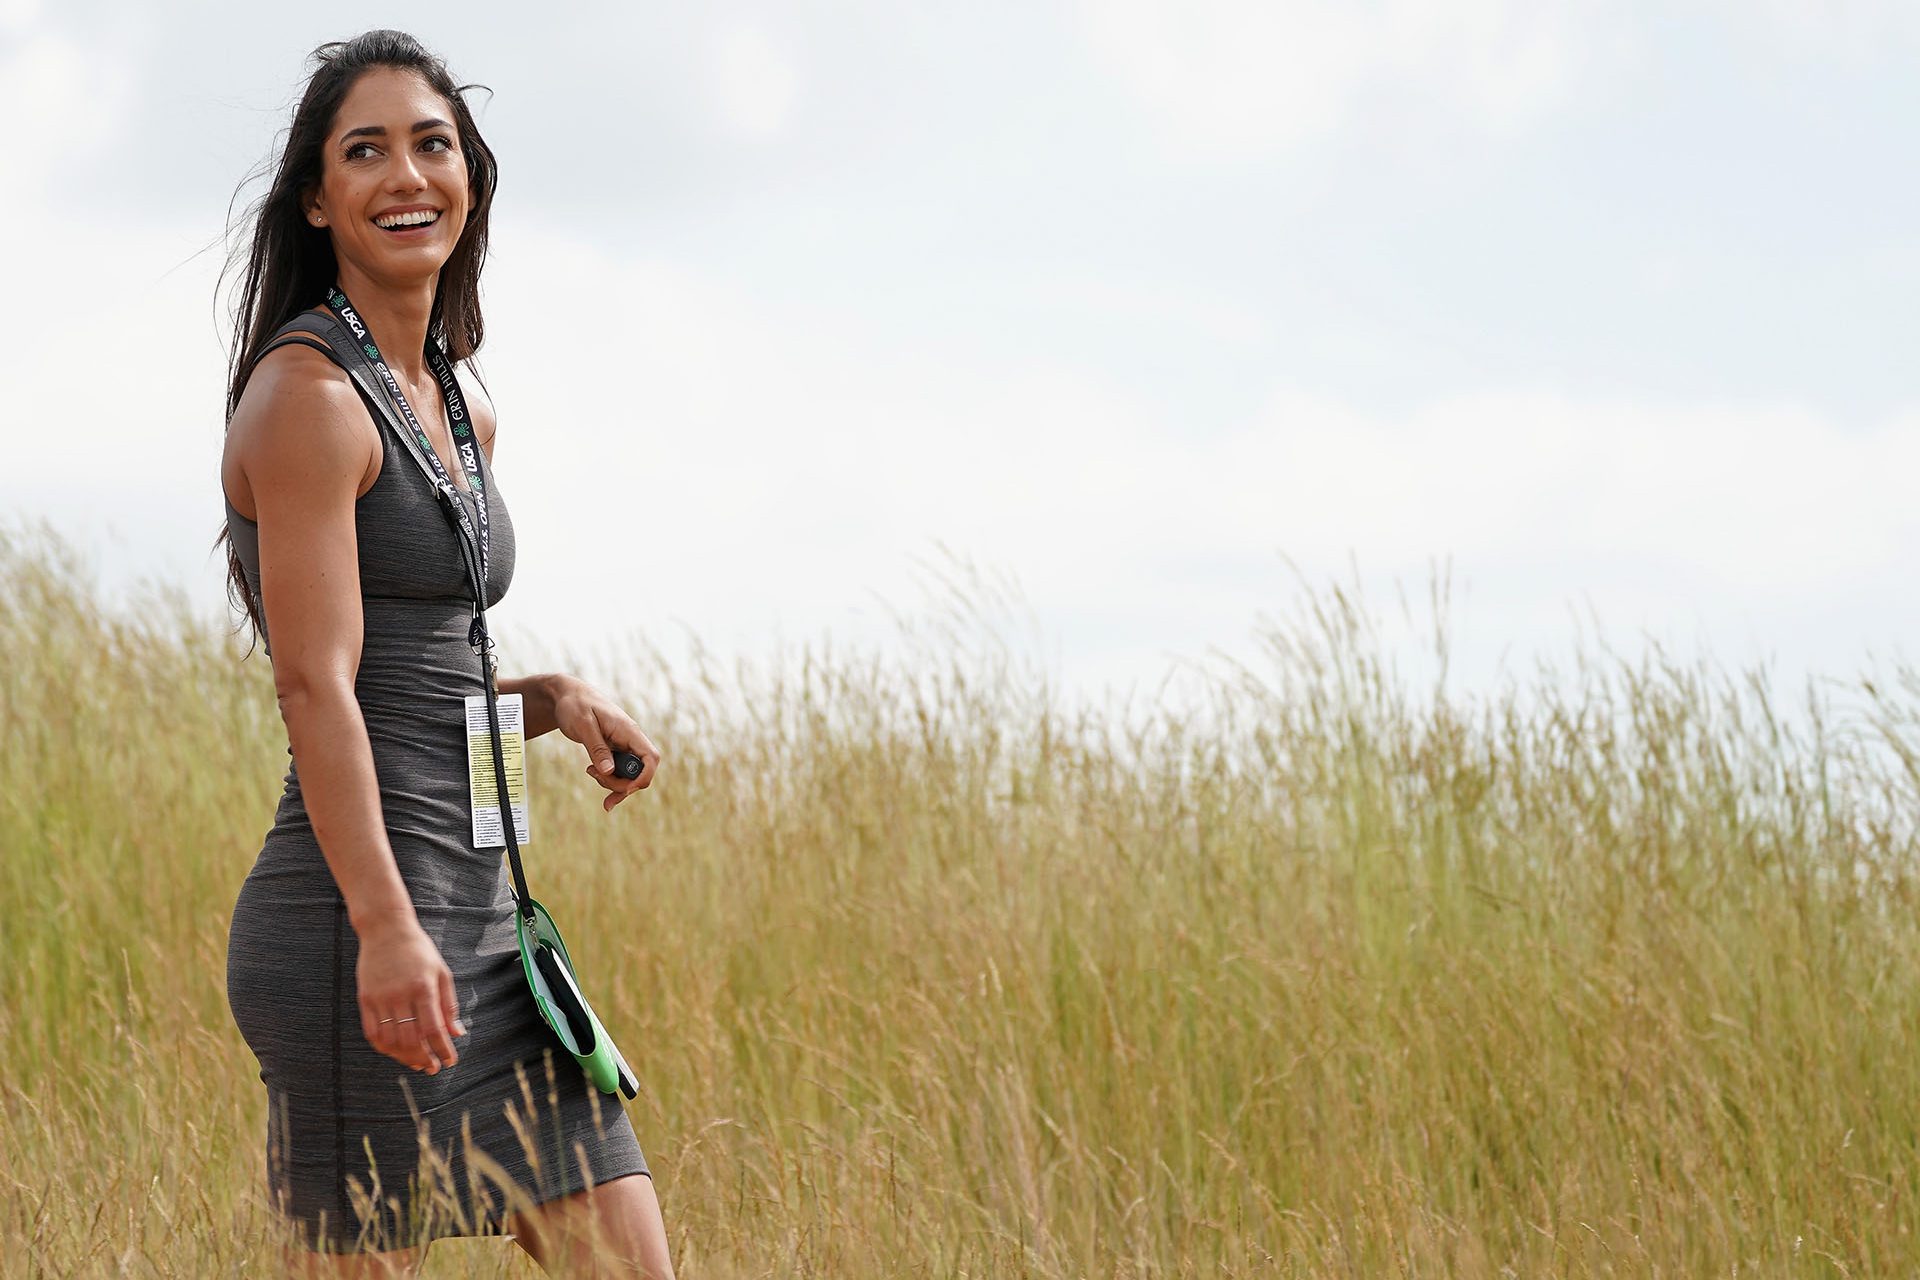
(404,174)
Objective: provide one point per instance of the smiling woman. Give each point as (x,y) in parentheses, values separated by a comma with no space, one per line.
(372,933)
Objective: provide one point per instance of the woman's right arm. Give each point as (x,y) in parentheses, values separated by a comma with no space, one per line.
(304,452)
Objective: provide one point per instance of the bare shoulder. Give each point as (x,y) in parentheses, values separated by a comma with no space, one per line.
(485,422)
(297,405)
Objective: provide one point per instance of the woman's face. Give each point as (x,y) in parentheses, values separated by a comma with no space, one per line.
(393,151)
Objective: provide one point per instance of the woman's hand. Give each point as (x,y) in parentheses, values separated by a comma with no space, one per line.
(407,1006)
(590,718)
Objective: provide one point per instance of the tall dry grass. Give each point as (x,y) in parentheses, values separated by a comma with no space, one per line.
(927,973)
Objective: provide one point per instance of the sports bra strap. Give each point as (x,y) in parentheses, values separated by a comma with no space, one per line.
(295,331)
(294,340)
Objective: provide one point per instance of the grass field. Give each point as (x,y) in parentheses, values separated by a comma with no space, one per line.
(1608,974)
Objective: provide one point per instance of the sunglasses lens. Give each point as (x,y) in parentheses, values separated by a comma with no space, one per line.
(578,1034)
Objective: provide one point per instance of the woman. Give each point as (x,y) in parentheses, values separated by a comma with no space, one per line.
(414,1090)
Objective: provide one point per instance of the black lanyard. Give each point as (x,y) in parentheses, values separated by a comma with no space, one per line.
(463,444)
(429,460)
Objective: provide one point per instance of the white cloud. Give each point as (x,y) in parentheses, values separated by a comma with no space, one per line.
(1755,498)
(73,94)
(1854,28)
(1239,77)
(755,79)
(1236,76)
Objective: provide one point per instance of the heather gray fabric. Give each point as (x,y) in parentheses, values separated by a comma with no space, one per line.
(351,1133)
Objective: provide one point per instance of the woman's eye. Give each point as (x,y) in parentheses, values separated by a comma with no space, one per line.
(446,144)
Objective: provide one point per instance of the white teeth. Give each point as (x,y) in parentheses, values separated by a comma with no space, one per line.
(415,219)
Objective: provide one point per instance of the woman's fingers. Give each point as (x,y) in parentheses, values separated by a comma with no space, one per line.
(649,761)
(599,754)
(627,736)
(450,1004)
(407,1007)
(413,1047)
(382,1027)
(371,1025)
(434,1033)
(414,1038)
(593,720)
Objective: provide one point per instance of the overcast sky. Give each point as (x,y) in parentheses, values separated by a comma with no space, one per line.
(1610,304)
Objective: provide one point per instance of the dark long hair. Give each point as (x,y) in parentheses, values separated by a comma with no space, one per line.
(290,263)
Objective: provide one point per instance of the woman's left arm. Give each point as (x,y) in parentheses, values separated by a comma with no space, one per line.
(554,701)
(536,700)
(589,717)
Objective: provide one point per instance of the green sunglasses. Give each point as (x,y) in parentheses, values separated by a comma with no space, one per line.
(550,974)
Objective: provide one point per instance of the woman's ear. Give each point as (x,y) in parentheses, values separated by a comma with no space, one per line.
(310,208)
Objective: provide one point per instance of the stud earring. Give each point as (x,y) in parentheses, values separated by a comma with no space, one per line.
(319,219)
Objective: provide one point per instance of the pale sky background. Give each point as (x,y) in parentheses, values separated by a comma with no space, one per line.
(1610,304)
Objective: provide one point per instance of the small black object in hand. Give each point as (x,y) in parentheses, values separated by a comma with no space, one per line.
(626,765)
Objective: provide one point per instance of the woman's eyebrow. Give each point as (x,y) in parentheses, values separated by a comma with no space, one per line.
(380,130)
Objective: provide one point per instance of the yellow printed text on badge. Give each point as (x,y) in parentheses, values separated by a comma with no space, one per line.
(482,789)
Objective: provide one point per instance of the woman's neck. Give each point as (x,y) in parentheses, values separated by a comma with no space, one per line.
(396,315)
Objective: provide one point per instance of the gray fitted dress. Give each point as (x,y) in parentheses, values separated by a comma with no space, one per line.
(363,1152)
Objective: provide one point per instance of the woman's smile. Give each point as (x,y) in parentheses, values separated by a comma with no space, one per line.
(411,222)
